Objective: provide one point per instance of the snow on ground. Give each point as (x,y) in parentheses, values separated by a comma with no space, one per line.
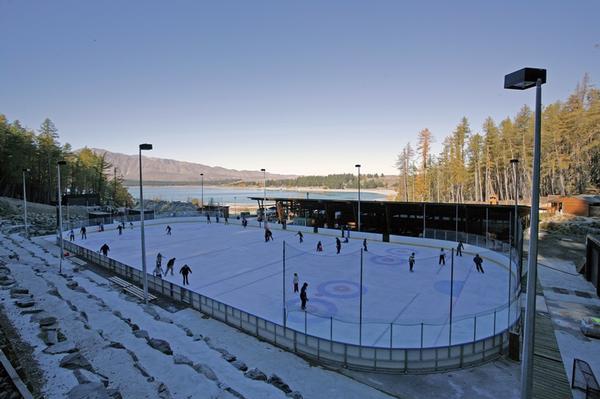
(105,337)
(236,266)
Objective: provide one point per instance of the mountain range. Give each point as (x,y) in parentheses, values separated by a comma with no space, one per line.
(170,170)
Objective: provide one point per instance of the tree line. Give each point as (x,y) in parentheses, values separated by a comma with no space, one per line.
(332,182)
(476,166)
(84,173)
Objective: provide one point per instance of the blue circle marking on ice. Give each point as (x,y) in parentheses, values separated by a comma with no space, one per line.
(443,286)
(340,289)
(403,252)
(386,260)
(321,308)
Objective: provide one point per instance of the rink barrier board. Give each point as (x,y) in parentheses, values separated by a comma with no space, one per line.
(322,350)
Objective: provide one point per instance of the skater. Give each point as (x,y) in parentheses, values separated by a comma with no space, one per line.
(268,235)
(303,296)
(319,247)
(83,233)
(208,219)
(365,245)
(411,261)
(101,227)
(158,271)
(459,248)
(72,235)
(120,228)
(296,282)
(170,265)
(168,230)
(300,236)
(158,260)
(104,249)
(478,261)
(442,260)
(338,245)
(184,271)
(345,239)
(217,218)
(226,220)
(131,225)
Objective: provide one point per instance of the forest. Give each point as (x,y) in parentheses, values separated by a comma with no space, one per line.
(35,155)
(332,182)
(476,166)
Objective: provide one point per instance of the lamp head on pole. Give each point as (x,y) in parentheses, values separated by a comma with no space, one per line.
(26,170)
(145,146)
(514,161)
(61,162)
(524,78)
(357,166)
(263,170)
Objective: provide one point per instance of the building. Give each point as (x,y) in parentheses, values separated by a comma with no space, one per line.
(579,205)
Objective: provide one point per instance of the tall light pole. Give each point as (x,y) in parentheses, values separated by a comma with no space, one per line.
(202,190)
(515,164)
(145,275)
(25,171)
(60,224)
(521,80)
(264,212)
(358,219)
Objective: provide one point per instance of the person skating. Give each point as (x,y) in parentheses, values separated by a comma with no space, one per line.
(365,245)
(131,225)
(104,249)
(170,265)
(184,271)
(442,260)
(72,235)
(319,247)
(120,228)
(158,272)
(303,295)
(159,260)
(346,240)
(168,229)
(83,232)
(300,236)
(411,261)
(226,220)
(338,245)
(244,222)
(217,218)
(296,282)
(101,227)
(478,262)
(459,248)
(268,235)
(208,219)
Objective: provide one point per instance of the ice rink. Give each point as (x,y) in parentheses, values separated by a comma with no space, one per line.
(400,309)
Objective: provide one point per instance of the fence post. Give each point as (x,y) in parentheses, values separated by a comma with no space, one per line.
(391,336)
(421,335)
(494,327)
(475,330)
(331,328)
(305,327)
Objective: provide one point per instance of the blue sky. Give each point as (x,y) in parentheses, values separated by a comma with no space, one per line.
(293,86)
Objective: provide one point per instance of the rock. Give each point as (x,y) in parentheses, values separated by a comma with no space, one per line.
(160,345)
(180,359)
(134,327)
(235,393)
(61,347)
(118,314)
(7,281)
(80,289)
(18,290)
(206,371)
(142,334)
(72,284)
(188,332)
(32,311)
(25,303)
(198,337)
(116,345)
(114,393)
(83,315)
(238,364)
(277,382)
(84,377)
(92,390)
(256,374)
(294,395)
(141,369)
(151,311)
(20,296)
(47,321)
(226,355)
(54,291)
(76,361)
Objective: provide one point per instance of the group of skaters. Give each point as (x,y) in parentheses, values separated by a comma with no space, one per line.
(338,243)
(217,219)
(185,270)
(478,260)
(303,294)
(121,227)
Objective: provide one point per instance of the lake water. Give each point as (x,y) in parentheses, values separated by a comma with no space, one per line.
(232,195)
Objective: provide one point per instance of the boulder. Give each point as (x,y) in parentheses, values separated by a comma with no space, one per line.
(72,284)
(25,303)
(278,383)
(294,395)
(47,321)
(255,374)
(116,345)
(238,364)
(18,290)
(61,347)
(180,359)
(91,390)
(206,371)
(160,345)
(76,361)
(234,393)
(142,334)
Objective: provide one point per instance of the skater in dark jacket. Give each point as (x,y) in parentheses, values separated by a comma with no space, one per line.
(296,281)
(268,235)
(170,265)
(120,228)
(411,261)
(365,245)
(83,232)
(478,262)
(442,260)
(104,249)
(300,236)
(319,247)
(184,271)
(338,245)
(208,219)
(168,230)
(303,296)
(72,235)
(459,248)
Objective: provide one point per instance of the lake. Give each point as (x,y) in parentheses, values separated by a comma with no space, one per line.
(232,195)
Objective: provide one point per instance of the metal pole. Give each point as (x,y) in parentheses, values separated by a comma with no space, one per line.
(451,297)
(487,222)
(456,224)
(202,191)
(424,215)
(361,299)
(516,230)
(145,275)
(283,286)
(60,225)
(509,267)
(25,204)
(528,336)
(358,219)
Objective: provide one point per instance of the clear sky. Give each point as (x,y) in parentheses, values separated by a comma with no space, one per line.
(292,86)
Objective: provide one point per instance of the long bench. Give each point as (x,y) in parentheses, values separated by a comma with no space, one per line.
(131,288)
